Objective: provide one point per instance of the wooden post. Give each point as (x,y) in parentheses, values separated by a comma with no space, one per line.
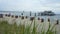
(1,15)
(30,13)
(22,17)
(32,18)
(57,22)
(42,20)
(48,19)
(38,18)
(35,14)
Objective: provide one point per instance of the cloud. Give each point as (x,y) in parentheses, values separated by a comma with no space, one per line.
(29,5)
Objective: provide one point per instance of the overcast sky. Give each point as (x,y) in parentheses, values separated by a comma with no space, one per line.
(30,5)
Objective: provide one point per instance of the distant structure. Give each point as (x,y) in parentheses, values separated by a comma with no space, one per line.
(46,13)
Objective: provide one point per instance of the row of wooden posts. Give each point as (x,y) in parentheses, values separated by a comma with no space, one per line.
(42,20)
(31,18)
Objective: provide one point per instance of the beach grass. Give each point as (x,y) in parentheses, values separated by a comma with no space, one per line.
(6,28)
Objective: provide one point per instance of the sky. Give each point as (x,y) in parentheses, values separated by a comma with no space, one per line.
(30,5)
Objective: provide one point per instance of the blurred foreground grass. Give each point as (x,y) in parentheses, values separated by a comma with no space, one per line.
(6,28)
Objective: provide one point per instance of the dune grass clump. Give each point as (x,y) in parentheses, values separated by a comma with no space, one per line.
(6,28)
(50,29)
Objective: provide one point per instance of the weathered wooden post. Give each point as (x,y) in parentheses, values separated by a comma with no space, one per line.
(5,14)
(9,15)
(32,18)
(48,19)
(1,15)
(22,15)
(57,22)
(35,14)
(30,13)
(42,20)
(19,16)
(38,18)
(12,16)
(26,17)
(16,16)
